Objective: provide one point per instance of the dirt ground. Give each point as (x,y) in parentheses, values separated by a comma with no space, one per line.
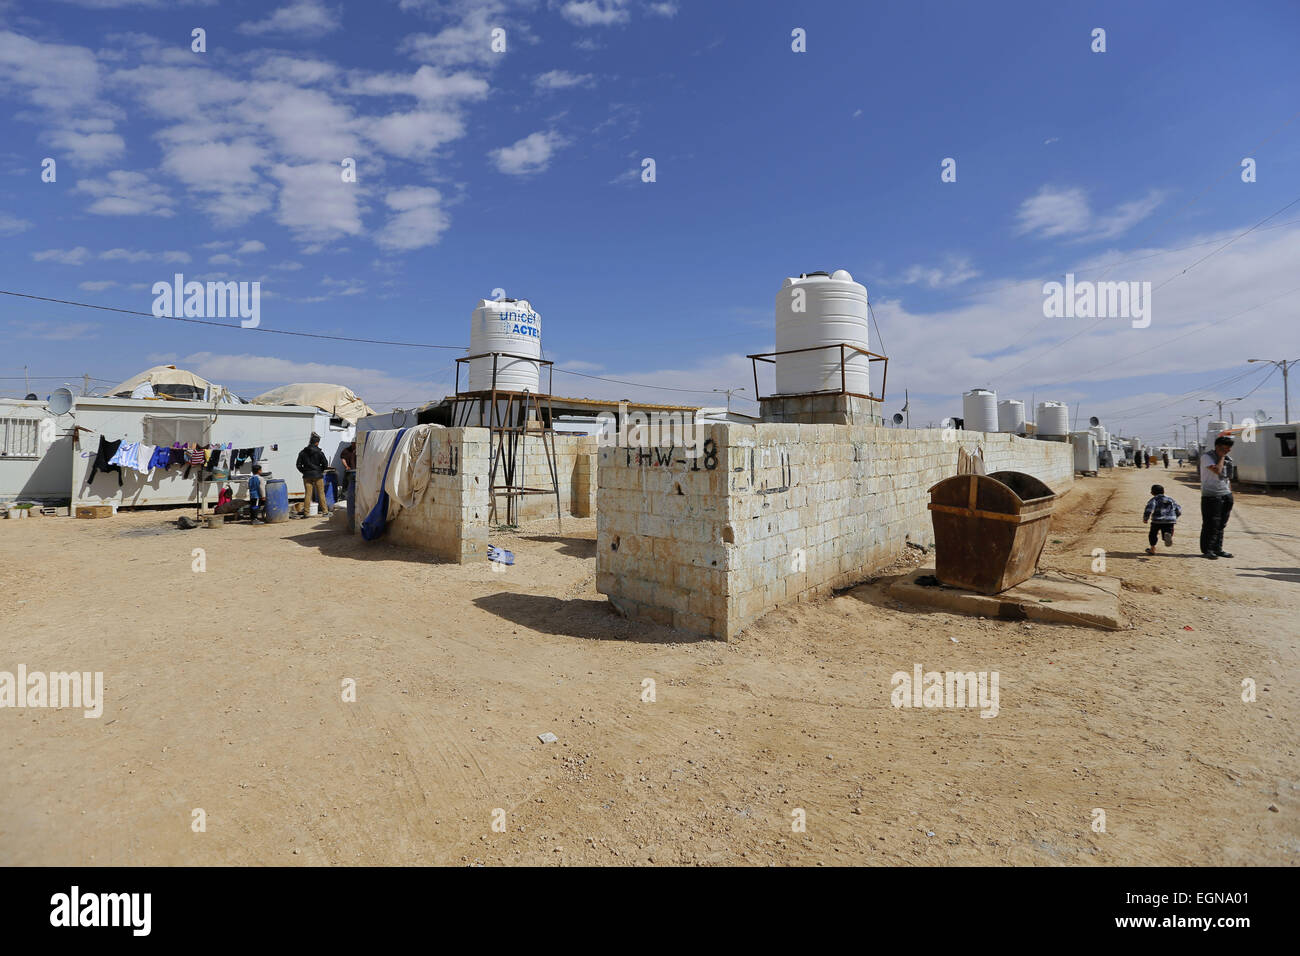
(223,692)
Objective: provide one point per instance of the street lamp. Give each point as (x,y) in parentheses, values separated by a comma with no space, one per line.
(1286,400)
(729,392)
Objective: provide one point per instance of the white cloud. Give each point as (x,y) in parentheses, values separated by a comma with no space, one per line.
(418,219)
(1066,212)
(67,257)
(315,204)
(304,18)
(12,225)
(251,246)
(595,13)
(532,154)
(378,387)
(662,9)
(563,80)
(126,193)
(414,135)
(98,286)
(222,259)
(954,271)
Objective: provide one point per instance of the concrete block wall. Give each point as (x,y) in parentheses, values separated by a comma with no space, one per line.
(451,520)
(775,513)
(575,457)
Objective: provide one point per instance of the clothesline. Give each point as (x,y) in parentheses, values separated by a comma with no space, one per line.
(141,457)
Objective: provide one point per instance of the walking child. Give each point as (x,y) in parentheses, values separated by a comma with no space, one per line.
(1162,511)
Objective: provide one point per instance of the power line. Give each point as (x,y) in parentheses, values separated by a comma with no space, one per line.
(226,325)
(318,335)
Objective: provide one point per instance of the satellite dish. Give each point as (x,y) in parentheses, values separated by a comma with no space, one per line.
(1094,421)
(1261,415)
(898,419)
(946,423)
(61,401)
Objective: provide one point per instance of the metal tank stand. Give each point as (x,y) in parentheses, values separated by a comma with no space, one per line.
(511,416)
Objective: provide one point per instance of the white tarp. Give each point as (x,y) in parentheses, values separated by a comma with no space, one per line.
(409,474)
(160,376)
(338,400)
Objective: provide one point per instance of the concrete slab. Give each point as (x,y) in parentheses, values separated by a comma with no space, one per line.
(1087,599)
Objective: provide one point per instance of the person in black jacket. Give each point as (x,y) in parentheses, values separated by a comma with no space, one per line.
(312,464)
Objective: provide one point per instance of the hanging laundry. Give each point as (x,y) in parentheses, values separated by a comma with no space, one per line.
(107,451)
(144,455)
(126,454)
(197,456)
(162,457)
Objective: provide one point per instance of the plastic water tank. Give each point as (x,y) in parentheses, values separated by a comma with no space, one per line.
(1011,416)
(819,309)
(1053,419)
(1100,432)
(507,325)
(979,407)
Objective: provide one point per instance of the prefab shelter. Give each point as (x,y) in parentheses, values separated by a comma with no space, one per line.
(279,432)
(35,452)
(1266,454)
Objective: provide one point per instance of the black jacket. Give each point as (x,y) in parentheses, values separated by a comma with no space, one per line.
(312,462)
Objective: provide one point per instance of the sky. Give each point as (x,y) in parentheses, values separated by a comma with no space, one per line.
(515,160)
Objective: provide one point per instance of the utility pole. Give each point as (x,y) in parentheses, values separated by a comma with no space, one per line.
(85,383)
(1286,398)
(1219,403)
(729,392)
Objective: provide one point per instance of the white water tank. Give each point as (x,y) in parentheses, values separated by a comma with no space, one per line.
(1212,432)
(979,408)
(1011,416)
(1053,420)
(1100,432)
(819,309)
(510,326)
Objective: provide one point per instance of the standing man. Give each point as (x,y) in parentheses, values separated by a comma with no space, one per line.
(1216,497)
(312,465)
(1165,455)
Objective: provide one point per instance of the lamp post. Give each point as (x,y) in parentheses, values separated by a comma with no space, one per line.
(729,392)
(1286,399)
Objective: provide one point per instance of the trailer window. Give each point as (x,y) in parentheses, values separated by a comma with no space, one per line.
(20,437)
(1288,444)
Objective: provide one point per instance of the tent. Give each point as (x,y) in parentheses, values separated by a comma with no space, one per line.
(167,381)
(338,400)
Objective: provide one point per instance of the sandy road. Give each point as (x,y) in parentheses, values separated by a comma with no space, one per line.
(223,692)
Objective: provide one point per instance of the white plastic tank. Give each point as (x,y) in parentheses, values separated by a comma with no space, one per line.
(1212,432)
(979,408)
(819,309)
(1100,432)
(1053,419)
(511,326)
(1011,416)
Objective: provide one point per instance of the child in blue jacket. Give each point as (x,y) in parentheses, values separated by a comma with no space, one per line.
(1162,511)
(256,499)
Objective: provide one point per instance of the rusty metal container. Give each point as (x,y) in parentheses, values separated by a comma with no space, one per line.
(989,530)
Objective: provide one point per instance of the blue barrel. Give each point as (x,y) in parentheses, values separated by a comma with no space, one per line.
(350,485)
(277,501)
(331,488)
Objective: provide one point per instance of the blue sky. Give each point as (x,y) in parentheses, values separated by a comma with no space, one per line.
(521,170)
